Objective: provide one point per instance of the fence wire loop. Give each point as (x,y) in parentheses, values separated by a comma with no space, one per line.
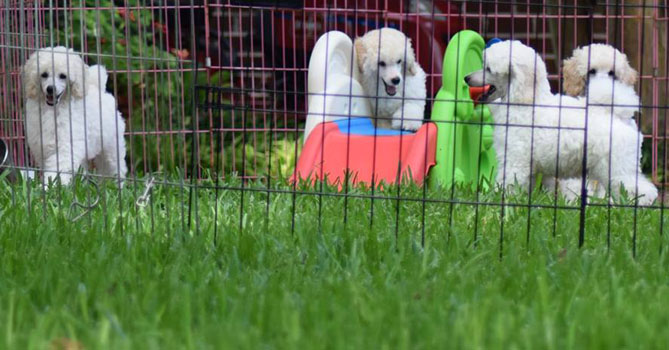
(87,208)
(143,200)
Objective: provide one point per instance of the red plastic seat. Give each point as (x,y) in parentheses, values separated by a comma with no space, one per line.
(333,147)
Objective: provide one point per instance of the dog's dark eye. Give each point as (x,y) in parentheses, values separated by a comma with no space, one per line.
(45,75)
(487,69)
(612,74)
(62,76)
(382,64)
(399,61)
(592,72)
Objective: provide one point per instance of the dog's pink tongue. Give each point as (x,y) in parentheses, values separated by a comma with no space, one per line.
(391,90)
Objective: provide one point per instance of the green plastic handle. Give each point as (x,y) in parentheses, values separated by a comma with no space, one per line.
(464,135)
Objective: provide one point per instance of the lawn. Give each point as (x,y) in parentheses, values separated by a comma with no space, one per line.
(271,269)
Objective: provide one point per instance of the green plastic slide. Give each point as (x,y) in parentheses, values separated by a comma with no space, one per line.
(464,138)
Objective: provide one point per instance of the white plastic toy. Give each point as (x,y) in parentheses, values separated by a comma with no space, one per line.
(333,82)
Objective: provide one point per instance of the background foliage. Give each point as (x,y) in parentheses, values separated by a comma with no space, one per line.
(154,71)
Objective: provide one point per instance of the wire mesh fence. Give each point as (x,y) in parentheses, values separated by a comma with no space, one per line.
(220,106)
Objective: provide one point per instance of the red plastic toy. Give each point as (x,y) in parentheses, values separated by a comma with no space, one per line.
(370,155)
(340,141)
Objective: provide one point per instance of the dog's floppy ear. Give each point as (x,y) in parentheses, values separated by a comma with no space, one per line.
(412,65)
(627,75)
(521,87)
(360,53)
(77,83)
(573,80)
(78,74)
(29,76)
(526,76)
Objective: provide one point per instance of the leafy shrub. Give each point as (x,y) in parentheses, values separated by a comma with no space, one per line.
(152,74)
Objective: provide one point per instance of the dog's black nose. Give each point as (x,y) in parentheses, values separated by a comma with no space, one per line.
(49,89)
(395,81)
(467,79)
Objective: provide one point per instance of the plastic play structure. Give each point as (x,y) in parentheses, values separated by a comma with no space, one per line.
(333,88)
(342,144)
(464,153)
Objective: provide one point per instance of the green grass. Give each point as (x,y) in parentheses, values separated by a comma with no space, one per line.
(130,277)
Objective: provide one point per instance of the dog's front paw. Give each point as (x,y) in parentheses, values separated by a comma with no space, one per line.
(409,117)
(406,124)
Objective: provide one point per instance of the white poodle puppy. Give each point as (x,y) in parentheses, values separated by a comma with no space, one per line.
(70,118)
(391,75)
(609,70)
(606,70)
(539,132)
(595,60)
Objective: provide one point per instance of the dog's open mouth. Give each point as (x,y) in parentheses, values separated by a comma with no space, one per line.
(51,99)
(485,93)
(391,90)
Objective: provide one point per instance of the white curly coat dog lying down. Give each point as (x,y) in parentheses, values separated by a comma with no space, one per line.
(392,78)
(70,119)
(527,115)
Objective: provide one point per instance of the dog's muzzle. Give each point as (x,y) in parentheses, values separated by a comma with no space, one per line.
(391,89)
(479,91)
(488,90)
(52,99)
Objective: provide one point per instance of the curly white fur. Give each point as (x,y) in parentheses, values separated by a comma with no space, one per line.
(539,132)
(70,118)
(392,77)
(604,74)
